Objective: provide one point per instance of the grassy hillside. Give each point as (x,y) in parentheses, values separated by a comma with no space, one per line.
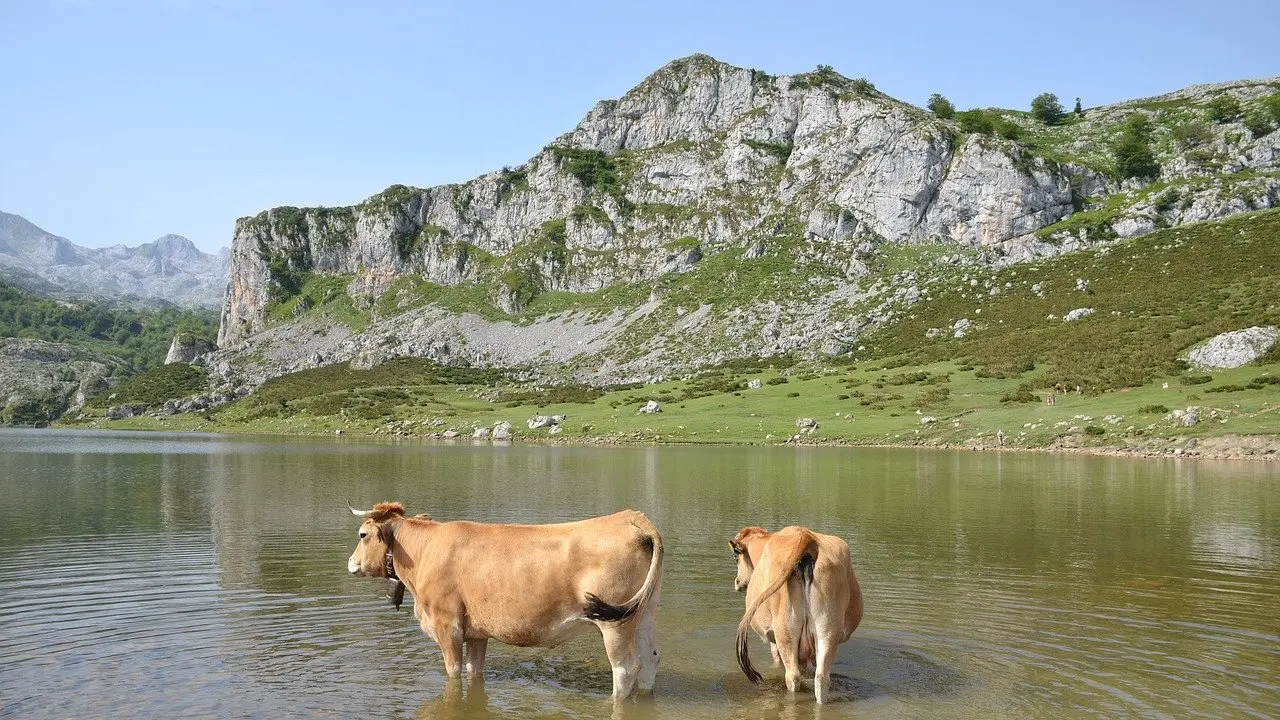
(1152,298)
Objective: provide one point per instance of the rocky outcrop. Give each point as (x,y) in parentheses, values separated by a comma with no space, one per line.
(1234,349)
(39,380)
(185,349)
(170,268)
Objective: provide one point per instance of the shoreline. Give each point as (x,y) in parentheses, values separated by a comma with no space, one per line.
(1256,448)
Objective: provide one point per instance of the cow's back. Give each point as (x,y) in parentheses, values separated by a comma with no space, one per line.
(525,585)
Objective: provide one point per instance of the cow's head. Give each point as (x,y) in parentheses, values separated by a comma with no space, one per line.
(742,544)
(369,559)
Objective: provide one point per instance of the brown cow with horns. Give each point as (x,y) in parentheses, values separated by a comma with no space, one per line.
(524,585)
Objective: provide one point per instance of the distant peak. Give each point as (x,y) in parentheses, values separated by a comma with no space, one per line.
(173,240)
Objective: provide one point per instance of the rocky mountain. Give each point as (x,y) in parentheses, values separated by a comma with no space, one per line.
(170,268)
(716,212)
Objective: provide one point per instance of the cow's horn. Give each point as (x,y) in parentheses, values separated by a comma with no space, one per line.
(358,513)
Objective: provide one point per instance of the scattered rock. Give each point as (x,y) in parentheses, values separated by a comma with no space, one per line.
(1082,285)
(1192,417)
(501,430)
(120,412)
(556,430)
(754,384)
(928,420)
(961,327)
(481,433)
(932,333)
(807,426)
(450,433)
(538,421)
(650,407)
(1077,314)
(1234,349)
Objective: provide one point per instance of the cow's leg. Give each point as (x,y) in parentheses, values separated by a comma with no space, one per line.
(647,650)
(789,653)
(475,656)
(620,645)
(449,636)
(828,643)
(773,652)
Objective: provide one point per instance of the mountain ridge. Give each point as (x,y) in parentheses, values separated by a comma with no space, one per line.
(170,268)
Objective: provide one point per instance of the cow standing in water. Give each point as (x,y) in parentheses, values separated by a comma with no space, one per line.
(802,597)
(523,585)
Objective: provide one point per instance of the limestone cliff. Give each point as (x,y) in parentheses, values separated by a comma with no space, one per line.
(803,183)
(700,155)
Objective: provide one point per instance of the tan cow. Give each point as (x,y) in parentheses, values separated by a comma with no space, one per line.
(819,609)
(524,585)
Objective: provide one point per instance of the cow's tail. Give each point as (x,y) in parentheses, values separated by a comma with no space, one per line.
(601,611)
(797,560)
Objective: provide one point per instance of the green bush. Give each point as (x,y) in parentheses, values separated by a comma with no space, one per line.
(1020,396)
(1195,379)
(1258,122)
(1046,108)
(941,107)
(1271,104)
(976,121)
(1094,430)
(793,394)
(776,381)
(1007,129)
(781,151)
(1223,109)
(1192,134)
(1132,151)
(1153,410)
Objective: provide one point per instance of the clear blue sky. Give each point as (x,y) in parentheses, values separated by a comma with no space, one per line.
(124,120)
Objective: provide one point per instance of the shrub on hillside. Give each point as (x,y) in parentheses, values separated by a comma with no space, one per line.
(1258,122)
(1020,395)
(1271,104)
(941,107)
(1195,379)
(1154,410)
(1223,109)
(1132,151)
(1094,430)
(1192,134)
(976,121)
(1046,108)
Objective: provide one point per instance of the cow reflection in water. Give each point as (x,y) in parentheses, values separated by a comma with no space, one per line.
(455,703)
(523,585)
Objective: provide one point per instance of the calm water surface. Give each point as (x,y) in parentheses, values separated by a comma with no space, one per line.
(148,575)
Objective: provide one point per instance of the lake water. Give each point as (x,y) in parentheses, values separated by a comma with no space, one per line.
(147,575)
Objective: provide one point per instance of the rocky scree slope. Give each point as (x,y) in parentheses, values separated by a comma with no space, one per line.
(713,212)
(170,268)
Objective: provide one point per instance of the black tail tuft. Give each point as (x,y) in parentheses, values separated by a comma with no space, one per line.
(601,611)
(744,657)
